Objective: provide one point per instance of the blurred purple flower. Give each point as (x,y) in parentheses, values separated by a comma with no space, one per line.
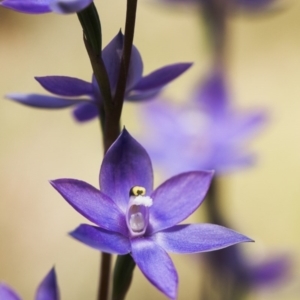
(46,6)
(269,272)
(247,5)
(132,218)
(206,134)
(230,268)
(70,90)
(47,290)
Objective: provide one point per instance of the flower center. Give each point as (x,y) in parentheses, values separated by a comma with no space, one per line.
(137,216)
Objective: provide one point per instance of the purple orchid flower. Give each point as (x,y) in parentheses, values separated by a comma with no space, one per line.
(47,290)
(132,218)
(46,6)
(70,90)
(207,134)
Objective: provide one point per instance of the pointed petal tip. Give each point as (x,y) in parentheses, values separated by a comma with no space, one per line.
(48,288)
(53,182)
(124,135)
(187,64)
(11,96)
(125,131)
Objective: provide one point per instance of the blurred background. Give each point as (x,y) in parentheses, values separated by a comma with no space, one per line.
(263,201)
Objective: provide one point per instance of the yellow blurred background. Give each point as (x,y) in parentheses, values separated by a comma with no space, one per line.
(262,202)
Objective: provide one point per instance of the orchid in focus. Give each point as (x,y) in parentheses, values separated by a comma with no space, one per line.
(47,290)
(69,90)
(206,134)
(132,218)
(46,6)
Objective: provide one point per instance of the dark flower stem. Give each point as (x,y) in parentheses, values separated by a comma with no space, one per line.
(225,279)
(113,113)
(122,276)
(213,205)
(111,109)
(124,264)
(215,14)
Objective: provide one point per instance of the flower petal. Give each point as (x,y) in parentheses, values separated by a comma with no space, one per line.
(125,165)
(135,68)
(42,101)
(272,271)
(65,86)
(85,111)
(136,95)
(92,203)
(212,94)
(194,238)
(244,125)
(230,159)
(29,6)
(68,6)
(111,56)
(101,239)
(161,77)
(7,293)
(253,5)
(48,289)
(156,265)
(177,198)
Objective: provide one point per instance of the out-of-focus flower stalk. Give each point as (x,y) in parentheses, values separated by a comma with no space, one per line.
(222,282)
(215,15)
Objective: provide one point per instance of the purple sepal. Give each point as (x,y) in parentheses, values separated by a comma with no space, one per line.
(68,6)
(247,5)
(149,86)
(185,238)
(85,111)
(125,165)
(272,271)
(170,199)
(7,293)
(135,70)
(28,6)
(156,265)
(253,5)
(92,203)
(42,101)
(65,86)
(48,289)
(111,56)
(136,95)
(101,239)
(161,77)
(212,94)
(247,124)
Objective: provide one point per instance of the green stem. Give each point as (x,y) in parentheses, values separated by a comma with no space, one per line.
(122,276)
